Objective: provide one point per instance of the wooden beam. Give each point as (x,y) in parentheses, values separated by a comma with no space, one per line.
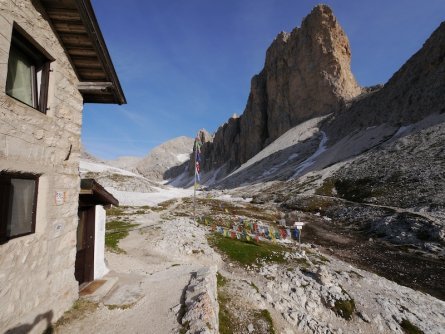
(69,27)
(63,14)
(92,75)
(107,97)
(94,87)
(82,64)
(78,40)
(77,51)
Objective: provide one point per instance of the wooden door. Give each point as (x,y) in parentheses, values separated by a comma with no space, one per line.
(84,268)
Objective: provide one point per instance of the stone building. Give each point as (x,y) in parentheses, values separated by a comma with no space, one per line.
(53,58)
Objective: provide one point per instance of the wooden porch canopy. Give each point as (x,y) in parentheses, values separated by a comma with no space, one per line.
(76,25)
(92,193)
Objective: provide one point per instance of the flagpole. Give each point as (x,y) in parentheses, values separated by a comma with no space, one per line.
(194,186)
(197,167)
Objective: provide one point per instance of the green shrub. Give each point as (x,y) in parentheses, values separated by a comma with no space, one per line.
(248,252)
(345,308)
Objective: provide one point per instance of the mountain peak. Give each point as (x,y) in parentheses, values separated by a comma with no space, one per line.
(306,74)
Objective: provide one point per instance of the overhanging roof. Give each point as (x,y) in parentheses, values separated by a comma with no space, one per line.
(93,193)
(76,25)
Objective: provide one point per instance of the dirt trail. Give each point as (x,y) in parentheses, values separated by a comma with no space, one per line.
(152,276)
(394,208)
(167,248)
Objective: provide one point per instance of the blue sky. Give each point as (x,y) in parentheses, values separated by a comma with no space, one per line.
(187,64)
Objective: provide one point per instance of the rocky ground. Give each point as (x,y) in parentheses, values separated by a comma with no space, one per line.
(169,262)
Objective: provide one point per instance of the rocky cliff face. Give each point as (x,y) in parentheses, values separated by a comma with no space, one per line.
(306,74)
(414,92)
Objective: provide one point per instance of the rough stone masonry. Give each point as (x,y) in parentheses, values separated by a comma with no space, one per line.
(37,270)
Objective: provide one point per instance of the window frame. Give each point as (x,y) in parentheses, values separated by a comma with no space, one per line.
(26,45)
(24,176)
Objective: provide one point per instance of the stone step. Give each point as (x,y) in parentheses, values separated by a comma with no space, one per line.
(95,291)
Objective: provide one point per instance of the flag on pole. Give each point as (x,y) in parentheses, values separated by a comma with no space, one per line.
(198,145)
(197,148)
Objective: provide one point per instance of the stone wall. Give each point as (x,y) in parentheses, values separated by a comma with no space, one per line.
(37,270)
(201,303)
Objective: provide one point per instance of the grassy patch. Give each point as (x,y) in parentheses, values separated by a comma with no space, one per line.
(166,204)
(220,280)
(355,274)
(361,190)
(302,263)
(265,317)
(255,287)
(120,307)
(410,328)
(248,252)
(245,209)
(115,211)
(344,308)
(80,309)
(311,204)
(206,220)
(185,328)
(163,205)
(225,318)
(327,188)
(320,259)
(116,230)
(234,315)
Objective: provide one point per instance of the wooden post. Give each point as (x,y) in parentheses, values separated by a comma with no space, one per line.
(299,226)
(196,176)
(194,193)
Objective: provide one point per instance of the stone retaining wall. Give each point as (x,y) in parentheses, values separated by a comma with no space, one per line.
(201,303)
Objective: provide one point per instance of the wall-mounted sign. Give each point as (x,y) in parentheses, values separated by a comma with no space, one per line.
(299,225)
(59,197)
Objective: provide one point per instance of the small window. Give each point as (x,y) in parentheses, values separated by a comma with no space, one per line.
(28,72)
(18,201)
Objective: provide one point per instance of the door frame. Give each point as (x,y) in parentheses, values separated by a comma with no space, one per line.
(84,272)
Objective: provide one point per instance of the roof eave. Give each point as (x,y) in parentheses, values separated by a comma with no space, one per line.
(96,193)
(86,12)
(82,13)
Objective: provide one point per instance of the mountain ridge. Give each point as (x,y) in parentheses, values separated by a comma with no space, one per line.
(306,74)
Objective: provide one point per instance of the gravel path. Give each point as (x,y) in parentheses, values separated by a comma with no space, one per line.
(153,274)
